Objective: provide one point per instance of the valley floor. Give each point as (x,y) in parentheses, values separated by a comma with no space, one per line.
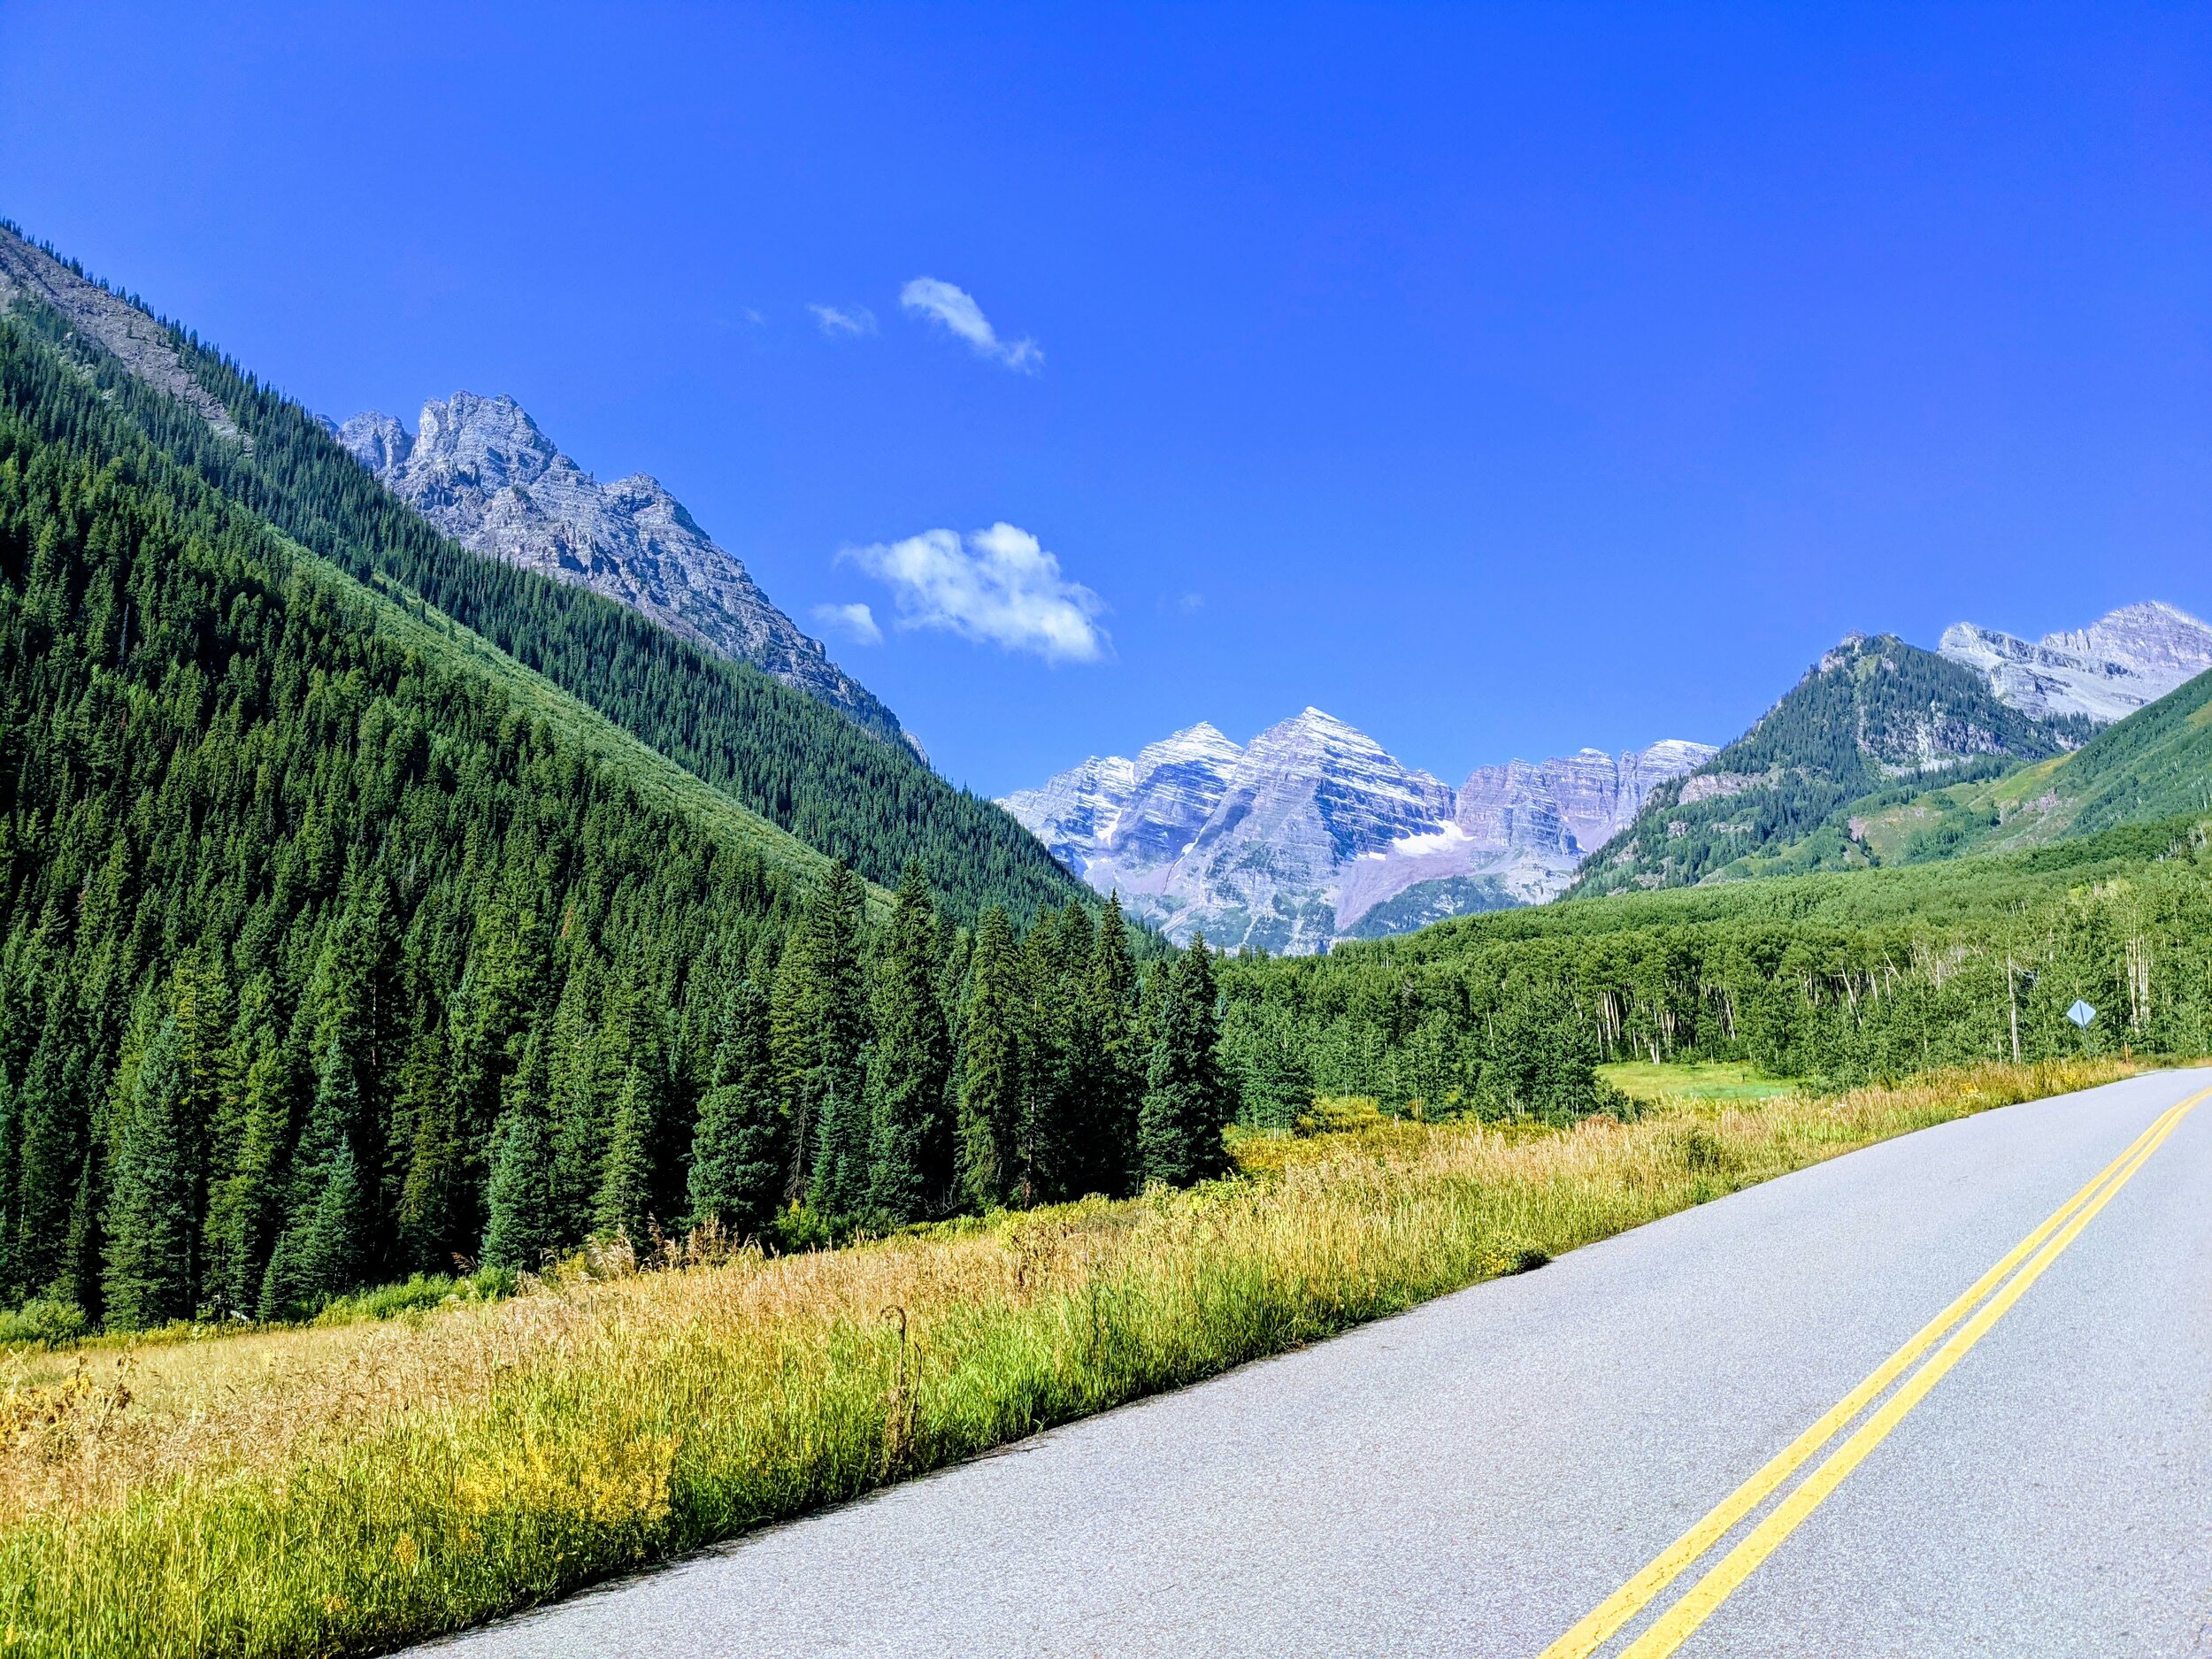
(424,1475)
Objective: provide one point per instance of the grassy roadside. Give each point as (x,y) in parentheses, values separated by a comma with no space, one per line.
(348,1487)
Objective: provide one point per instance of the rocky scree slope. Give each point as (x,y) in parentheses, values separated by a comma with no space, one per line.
(484,473)
(128,332)
(1313,831)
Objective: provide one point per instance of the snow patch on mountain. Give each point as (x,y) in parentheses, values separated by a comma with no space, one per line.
(1441,840)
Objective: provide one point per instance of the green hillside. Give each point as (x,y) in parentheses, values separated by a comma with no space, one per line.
(1943,919)
(801,766)
(288,871)
(1876,721)
(2155,765)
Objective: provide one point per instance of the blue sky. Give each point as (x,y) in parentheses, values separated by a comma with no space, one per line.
(1499,380)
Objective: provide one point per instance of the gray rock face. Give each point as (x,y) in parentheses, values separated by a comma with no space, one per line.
(1309,797)
(1176,785)
(2102,673)
(1564,808)
(1110,812)
(482,470)
(1073,812)
(1313,832)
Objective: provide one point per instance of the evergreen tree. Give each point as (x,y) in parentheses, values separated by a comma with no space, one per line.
(739,1156)
(991,1067)
(10,1160)
(582,1095)
(834,928)
(1113,1079)
(326,1259)
(952,981)
(1052,1151)
(1279,1084)
(795,1041)
(488,1026)
(818,1028)
(433,1201)
(839,1184)
(910,1065)
(149,1267)
(359,998)
(524,1226)
(325,1241)
(245,1203)
(202,1004)
(53,1159)
(624,1206)
(1188,1100)
(84,1242)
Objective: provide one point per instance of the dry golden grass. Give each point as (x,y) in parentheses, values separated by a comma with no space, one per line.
(332,1490)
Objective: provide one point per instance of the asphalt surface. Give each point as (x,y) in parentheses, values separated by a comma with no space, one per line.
(1472,1478)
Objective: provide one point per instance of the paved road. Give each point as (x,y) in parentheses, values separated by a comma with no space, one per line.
(1477,1476)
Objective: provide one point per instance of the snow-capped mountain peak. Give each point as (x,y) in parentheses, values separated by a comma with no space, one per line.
(1314,830)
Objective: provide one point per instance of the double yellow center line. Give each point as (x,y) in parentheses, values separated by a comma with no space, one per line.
(1965,1322)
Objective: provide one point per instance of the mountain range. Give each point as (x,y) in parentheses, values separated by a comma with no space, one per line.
(482,470)
(1310,832)
(1313,831)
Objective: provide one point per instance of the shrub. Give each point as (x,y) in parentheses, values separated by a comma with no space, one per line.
(43,1322)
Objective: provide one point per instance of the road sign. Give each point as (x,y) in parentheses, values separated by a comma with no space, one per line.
(2081,1013)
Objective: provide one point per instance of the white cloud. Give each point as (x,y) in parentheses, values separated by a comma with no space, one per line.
(844,321)
(855,623)
(998,586)
(956,309)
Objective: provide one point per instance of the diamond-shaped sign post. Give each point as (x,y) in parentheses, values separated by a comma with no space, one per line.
(2081,1013)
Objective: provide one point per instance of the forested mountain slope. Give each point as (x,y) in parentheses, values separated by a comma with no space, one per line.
(482,470)
(2155,765)
(1873,715)
(288,872)
(335,945)
(803,766)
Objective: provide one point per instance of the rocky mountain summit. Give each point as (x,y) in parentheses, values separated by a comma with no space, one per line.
(1313,831)
(482,470)
(2103,672)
